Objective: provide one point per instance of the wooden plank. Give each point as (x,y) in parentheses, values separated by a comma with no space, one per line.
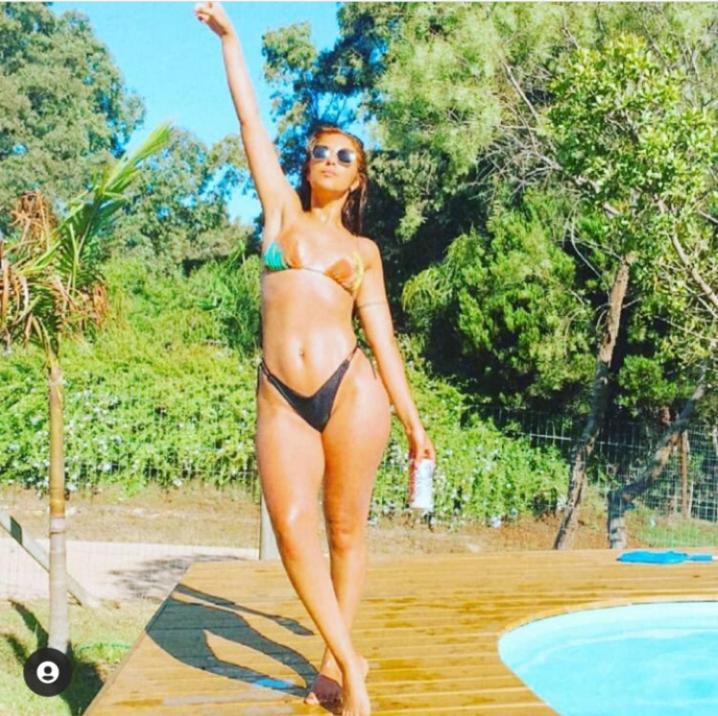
(234,638)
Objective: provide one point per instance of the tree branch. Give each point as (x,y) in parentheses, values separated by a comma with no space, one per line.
(692,270)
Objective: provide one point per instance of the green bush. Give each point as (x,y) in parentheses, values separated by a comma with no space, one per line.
(480,473)
(160,396)
(156,397)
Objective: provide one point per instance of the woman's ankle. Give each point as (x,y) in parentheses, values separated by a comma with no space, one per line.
(354,661)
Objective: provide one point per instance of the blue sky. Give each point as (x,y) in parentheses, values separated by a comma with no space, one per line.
(174,62)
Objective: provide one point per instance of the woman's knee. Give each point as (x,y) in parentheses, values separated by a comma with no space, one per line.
(345,533)
(294,525)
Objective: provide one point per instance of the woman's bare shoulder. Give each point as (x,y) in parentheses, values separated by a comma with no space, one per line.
(368,250)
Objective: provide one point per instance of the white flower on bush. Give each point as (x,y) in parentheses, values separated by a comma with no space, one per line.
(106,466)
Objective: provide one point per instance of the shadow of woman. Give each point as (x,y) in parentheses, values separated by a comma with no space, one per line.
(180,628)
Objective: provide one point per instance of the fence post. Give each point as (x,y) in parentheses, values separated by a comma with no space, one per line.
(267,541)
(683,462)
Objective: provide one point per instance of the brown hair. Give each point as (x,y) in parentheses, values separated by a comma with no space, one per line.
(353,209)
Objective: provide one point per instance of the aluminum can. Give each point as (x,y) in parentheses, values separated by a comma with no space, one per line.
(421,497)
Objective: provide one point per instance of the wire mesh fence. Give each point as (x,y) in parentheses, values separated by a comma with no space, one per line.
(688,483)
(679,504)
(680,507)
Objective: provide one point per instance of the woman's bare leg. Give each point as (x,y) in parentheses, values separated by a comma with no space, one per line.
(290,459)
(361,408)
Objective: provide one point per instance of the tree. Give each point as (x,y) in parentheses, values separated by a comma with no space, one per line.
(523,322)
(63,109)
(176,214)
(622,132)
(51,288)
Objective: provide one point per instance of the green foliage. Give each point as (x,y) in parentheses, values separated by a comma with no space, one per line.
(63,107)
(513,297)
(177,213)
(480,473)
(57,262)
(643,379)
(231,293)
(621,123)
(154,398)
(505,130)
(302,78)
(628,133)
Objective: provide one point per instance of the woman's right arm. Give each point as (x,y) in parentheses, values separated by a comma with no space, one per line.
(275,192)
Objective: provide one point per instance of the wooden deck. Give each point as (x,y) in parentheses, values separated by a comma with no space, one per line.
(233,638)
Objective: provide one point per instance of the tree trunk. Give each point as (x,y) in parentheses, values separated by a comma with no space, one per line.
(599,399)
(620,498)
(59,630)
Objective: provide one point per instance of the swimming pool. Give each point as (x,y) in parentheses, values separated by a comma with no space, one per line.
(657,659)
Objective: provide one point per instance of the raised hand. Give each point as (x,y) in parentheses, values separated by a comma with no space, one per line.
(213,15)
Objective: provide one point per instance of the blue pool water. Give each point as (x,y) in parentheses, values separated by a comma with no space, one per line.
(657,659)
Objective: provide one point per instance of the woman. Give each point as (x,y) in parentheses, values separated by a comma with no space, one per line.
(316,393)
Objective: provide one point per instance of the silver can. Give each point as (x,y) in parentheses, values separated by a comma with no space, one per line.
(421,497)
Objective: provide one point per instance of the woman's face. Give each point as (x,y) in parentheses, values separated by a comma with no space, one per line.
(333,169)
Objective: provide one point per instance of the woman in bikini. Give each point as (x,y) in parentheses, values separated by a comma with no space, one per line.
(323,415)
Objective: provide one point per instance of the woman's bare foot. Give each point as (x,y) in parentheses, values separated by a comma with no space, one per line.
(327,686)
(355,698)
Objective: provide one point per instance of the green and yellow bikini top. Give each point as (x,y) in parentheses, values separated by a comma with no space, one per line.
(346,272)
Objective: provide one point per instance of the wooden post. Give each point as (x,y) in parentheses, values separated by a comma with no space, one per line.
(685,507)
(267,542)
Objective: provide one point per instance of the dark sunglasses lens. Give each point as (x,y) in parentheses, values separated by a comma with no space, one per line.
(320,152)
(345,156)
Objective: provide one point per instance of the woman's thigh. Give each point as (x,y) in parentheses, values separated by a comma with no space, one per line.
(354,441)
(290,458)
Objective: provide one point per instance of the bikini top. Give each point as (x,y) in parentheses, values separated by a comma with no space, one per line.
(346,272)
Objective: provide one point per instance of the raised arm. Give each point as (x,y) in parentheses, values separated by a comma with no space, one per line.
(275,192)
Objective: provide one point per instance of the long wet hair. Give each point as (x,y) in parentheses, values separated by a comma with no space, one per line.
(353,209)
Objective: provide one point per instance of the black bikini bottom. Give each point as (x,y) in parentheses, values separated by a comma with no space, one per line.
(315,409)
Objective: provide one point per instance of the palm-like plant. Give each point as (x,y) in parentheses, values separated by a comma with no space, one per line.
(51,287)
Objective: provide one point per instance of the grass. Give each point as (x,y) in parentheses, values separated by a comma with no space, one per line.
(100,639)
(655,530)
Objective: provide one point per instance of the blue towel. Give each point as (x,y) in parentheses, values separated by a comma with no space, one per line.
(667,557)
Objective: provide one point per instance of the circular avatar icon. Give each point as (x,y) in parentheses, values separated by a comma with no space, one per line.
(47,672)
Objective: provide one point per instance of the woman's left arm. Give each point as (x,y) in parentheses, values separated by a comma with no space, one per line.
(373,311)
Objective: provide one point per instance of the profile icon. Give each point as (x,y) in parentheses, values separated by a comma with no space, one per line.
(47,672)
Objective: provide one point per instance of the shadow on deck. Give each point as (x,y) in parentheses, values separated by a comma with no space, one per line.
(233,638)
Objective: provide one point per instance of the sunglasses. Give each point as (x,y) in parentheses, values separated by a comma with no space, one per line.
(344,156)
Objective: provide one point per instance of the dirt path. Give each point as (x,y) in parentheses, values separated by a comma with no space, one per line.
(124,548)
